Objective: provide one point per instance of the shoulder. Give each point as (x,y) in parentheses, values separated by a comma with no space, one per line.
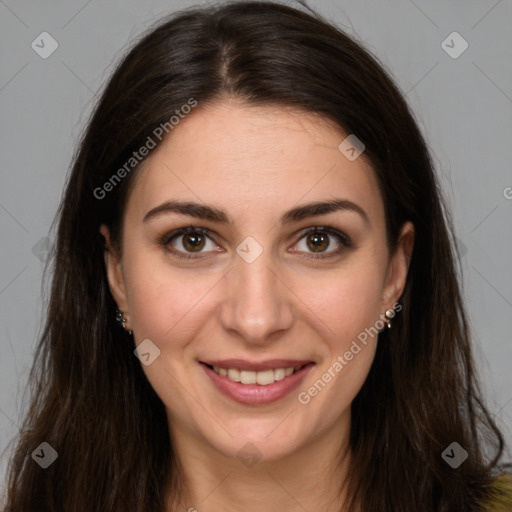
(500,499)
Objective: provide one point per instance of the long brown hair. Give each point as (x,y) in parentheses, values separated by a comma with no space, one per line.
(91,400)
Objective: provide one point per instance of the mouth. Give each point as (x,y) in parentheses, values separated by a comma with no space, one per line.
(256,383)
(263,378)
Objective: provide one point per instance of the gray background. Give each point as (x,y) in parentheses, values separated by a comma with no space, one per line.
(464,107)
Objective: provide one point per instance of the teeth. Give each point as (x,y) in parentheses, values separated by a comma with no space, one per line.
(233,374)
(247,377)
(263,378)
(279,374)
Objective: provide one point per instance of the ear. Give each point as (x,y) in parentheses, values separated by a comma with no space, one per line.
(398,267)
(114,271)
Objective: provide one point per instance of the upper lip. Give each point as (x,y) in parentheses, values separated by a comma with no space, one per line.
(270,364)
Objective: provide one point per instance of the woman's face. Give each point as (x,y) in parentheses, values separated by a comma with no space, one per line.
(250,288)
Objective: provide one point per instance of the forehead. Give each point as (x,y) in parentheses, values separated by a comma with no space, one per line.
(257,159)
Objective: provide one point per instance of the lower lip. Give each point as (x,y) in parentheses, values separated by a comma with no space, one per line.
(255,393)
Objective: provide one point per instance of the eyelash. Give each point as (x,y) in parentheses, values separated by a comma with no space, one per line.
(343,239)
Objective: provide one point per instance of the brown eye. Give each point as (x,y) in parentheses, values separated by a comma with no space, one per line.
(193,241)
(318,242)
(189,242)
(315,242)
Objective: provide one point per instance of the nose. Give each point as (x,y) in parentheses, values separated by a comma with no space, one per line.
(257,303)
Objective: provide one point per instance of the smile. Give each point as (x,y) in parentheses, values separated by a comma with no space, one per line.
(263,378)
(257,385)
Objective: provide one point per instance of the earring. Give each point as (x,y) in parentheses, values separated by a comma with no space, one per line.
(120,318)
(390,313)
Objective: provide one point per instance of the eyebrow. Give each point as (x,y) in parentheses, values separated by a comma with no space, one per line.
(204,212)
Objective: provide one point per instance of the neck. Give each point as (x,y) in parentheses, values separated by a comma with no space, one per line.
(312,478)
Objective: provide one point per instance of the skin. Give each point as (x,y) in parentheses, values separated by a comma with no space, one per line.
(256,163)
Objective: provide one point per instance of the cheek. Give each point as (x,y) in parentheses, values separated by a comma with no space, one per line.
(346,305)
(349,307)
(346,301)
(163,301)
(168,307)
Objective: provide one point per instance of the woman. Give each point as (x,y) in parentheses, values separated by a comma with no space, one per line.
(255,304)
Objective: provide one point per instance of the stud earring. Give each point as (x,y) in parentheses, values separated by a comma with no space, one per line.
(390,313)
(120,318)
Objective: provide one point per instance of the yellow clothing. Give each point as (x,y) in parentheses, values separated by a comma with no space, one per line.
(501,500)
